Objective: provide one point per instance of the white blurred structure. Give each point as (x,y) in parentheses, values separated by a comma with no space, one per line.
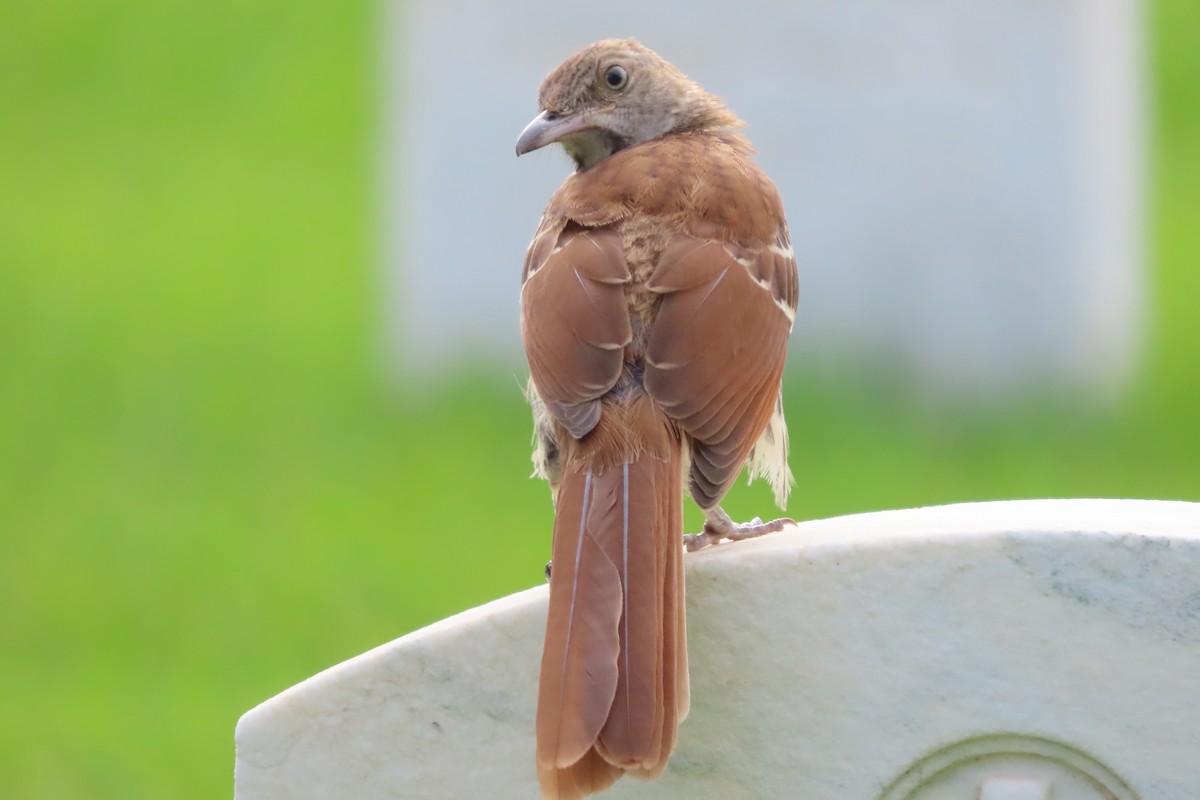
(962,179)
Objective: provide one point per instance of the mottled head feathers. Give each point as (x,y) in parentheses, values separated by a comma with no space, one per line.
(614,94)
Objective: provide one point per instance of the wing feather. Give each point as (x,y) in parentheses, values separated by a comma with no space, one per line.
(716,350)
(575,322)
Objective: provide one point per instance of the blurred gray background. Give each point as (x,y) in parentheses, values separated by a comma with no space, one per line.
(962,179)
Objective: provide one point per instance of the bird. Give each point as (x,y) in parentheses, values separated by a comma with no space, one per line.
(657,298)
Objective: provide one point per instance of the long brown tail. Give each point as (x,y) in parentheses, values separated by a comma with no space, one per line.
(614,683)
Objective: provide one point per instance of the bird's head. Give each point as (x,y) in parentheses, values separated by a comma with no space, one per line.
(614,94)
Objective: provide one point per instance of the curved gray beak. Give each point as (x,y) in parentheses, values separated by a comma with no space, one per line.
(546,128)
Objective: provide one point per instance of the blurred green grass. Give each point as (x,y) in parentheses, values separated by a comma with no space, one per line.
(208,491)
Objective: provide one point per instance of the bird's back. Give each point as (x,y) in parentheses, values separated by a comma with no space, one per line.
(699,186)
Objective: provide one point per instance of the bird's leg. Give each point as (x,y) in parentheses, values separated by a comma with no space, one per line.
(718,526)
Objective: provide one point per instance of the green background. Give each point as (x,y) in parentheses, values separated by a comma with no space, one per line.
(209,489)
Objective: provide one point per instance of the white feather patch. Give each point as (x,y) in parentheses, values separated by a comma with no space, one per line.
(543,434)
(768,459)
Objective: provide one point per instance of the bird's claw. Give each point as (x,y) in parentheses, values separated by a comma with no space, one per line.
(713,533)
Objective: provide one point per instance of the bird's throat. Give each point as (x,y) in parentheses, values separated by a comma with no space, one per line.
(589,147)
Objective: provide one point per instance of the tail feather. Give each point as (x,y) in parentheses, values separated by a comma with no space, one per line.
(673,675)
(579,660)
(586,776)
(614,668)
(632,733)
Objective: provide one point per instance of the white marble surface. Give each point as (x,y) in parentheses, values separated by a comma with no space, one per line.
(1022,650)
(962,179)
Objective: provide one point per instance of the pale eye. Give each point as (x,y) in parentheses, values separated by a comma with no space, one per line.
(616,77)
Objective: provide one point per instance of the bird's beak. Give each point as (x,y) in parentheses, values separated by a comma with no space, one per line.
(547,128)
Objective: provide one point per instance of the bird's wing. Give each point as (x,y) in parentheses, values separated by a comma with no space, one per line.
(715,354)
(574,319)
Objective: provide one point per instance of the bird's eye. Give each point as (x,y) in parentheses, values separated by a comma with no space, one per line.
(616,77)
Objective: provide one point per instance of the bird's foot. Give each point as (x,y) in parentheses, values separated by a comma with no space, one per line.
(719,526)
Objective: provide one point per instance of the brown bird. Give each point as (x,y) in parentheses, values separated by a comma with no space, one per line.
(657,299)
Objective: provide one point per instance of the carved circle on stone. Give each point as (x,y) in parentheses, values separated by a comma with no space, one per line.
(1008,766)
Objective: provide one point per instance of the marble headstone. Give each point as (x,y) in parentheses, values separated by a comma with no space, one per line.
(1023,650)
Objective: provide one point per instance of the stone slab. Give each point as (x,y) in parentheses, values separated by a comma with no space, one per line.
(962,179)
(1007,651)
